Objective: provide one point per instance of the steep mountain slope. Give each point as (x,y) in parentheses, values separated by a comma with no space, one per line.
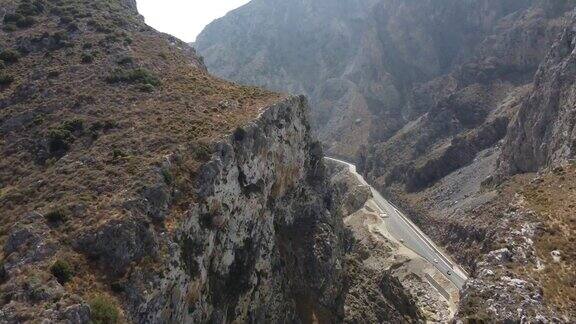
(356,60)
(542,135)
(136,187)
(439,104)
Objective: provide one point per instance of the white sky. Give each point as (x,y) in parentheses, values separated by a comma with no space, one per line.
(184,19)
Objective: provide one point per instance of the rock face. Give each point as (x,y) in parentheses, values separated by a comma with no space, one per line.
(259,243)
(542,133)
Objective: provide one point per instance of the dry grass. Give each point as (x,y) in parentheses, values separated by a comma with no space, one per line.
(554,200)
(184,109)
(126,133)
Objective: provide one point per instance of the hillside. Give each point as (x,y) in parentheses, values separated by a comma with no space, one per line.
(136,187)
(444,106)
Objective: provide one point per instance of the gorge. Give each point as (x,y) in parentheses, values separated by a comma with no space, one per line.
(304,161)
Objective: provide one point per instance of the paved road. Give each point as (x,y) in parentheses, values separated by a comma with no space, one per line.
(405,231)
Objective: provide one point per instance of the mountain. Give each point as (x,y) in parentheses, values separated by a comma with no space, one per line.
(135,187)
(356,60)
(447,107)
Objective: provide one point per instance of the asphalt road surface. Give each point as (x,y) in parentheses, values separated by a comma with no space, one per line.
(405,231)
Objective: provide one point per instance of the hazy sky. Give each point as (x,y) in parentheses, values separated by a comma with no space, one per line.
(184,19)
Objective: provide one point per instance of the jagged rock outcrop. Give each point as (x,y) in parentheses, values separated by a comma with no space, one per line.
(542,134)
(259,243)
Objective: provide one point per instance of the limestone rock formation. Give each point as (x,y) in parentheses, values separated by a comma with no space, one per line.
(542,134)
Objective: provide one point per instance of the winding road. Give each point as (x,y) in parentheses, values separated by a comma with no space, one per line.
(405,231)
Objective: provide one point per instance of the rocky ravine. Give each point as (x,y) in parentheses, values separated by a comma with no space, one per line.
(444,102)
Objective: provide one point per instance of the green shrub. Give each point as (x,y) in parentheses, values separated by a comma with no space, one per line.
(56,216)
(6,79)
(125,60)
(103,310)
(59,140)
(100,27)
(10,27)
(26,22)
(118,154)
(61,39)
(64,20)
(12,18)
(9,56)
(73,125)
(138,76)
(30,8)
(87,58)
(53,74)
(3,273)
(168,177)
(62,271)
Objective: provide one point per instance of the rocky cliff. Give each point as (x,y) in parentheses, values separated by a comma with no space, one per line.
(357,60)
(541,135)
(136,187)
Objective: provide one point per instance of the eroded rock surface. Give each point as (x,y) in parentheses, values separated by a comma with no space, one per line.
(386,281)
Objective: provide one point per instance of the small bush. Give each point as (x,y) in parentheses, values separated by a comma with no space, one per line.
(30,8)
(12,18)
(118,154)
(9,56)
(56,216)
(3,273)
(73,125)
(61,39)
(148,88)
(100,27)
(10,27)
(168,177)
(53,74)
(87,58)
(104,125)
(139,76)
(64,20)
(6,79)
(59,140)
(125,60)
(26,22)
(103,310)
(62,271)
